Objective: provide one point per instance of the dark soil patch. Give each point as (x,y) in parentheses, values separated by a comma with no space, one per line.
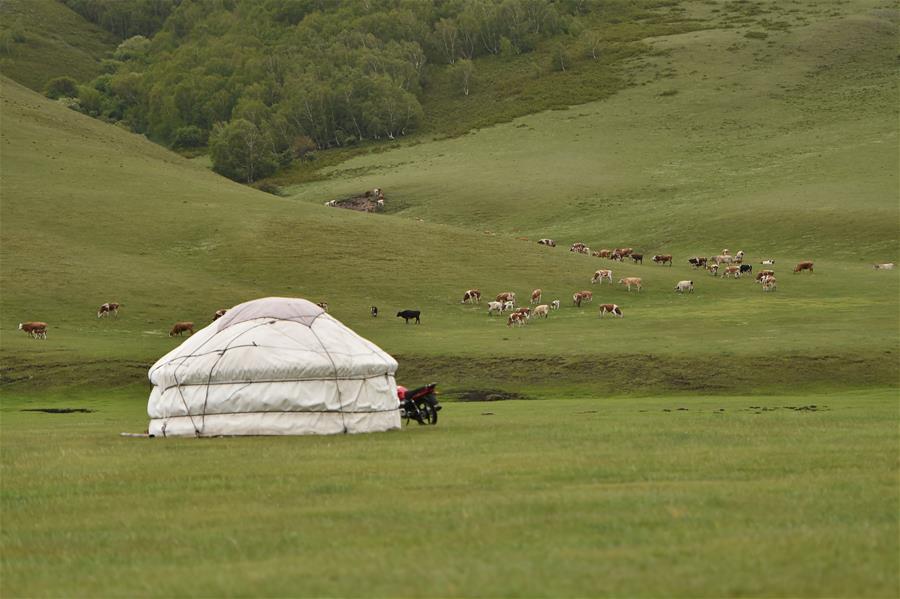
(60,410)
(485,395)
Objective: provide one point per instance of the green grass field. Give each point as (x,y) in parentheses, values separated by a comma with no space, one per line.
(713,496)
(783,145)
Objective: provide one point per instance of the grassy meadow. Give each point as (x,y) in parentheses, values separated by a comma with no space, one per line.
(721,443)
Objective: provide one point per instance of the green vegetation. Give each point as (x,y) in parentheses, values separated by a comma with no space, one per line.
(42,39)
(726,442)
(714,496)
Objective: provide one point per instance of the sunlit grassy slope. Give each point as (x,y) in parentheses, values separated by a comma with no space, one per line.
(783,145)
(785,149)
(57,42)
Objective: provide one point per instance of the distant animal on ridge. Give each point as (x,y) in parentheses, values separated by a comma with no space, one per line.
(219,314)
(323,305)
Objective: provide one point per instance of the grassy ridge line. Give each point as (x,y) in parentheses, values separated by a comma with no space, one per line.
(641,496)
(58,42)
(785,145)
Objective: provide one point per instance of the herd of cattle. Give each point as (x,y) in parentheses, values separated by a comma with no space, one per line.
(724,264)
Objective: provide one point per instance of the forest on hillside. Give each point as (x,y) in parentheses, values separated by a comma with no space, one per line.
(264,82)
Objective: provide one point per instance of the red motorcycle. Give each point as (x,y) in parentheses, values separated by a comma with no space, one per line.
(419,404)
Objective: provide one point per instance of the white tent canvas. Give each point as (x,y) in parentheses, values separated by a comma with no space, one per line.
(273,366)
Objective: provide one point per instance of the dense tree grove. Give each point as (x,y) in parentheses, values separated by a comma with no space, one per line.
(281,73)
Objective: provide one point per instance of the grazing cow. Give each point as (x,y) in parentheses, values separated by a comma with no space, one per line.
(585,250)
(662,259)
(713,269)
(768,262)
(35,330)
(554,305)
(596,254)
(732,271)
(180,327)
(769,284)
(745,268)
(801,266)
(547,242)
(637,258)
(323,305)
(618,257)
(536,296)
(219,314)
(577,298)
(509,306)
(542,311)
(613,309)
(471,296)
(516,318)
(886,266)
(739,257)
(107,309)
(631,281)
(683,286)
(495,307)
(602,274)
(506,296)
(625,252)
(586,296)
(697,261)
(374,311)
(763,274)
(723,259)
(576,247)
(604,253)
(408,315)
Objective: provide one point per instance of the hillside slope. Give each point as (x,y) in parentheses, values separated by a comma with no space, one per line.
(57,42)
(770,138)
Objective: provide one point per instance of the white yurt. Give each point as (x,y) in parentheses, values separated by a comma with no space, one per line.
(273,366)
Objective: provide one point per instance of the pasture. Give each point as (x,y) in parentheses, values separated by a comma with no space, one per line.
(722,442)
(785,495)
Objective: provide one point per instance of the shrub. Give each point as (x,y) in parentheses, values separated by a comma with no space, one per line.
(242,152)
(133,48)
(61,87)
(190,136)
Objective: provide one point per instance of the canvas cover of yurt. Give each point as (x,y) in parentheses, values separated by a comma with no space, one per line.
(273,366)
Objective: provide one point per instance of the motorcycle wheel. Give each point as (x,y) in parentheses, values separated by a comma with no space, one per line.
(429,414)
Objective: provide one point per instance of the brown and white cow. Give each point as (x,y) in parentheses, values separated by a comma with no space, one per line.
(764,273)
(732,271)
(586,296)
(554,305)
(662,259)
(471,296)
(616,256)
(886,266)
(739,257)
(801,266)
(577,247)
(604,253)
(547,242)
(35,330)
(697,261)
(602,274)
(516,318)
(107,309)
(219,313)
(630,282)
(506,296)
(542,311)
(613,309)
(713,269)
(536,296)
(624,252)
(769,284)
(180,327)
(495,307)
(722,259)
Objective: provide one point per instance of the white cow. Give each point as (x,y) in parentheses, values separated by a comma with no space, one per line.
(683,286)
(495,307)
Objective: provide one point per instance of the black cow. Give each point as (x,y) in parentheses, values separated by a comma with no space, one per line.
(746,268)
(409,314)
(637,258)
(374,311)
